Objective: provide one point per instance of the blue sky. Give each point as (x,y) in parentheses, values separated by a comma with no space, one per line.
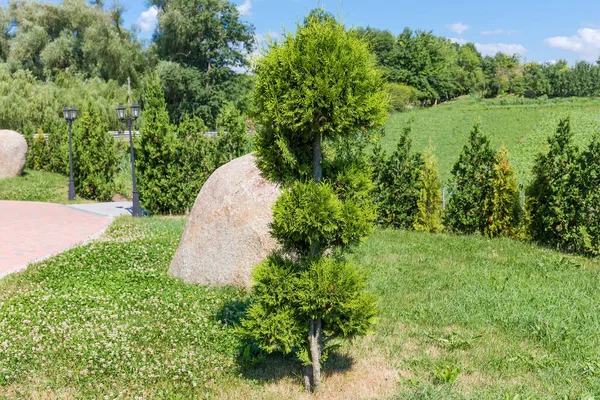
(540,30)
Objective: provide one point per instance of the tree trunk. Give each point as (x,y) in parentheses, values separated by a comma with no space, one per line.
(317,170)
(315,340)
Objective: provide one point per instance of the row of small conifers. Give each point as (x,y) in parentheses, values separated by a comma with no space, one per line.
(561,206)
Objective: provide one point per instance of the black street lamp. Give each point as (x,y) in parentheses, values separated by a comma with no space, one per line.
(70,115)
(129,119)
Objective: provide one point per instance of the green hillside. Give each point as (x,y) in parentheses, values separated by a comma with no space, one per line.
(522,125)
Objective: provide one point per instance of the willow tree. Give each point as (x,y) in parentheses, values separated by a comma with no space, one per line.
(315,89)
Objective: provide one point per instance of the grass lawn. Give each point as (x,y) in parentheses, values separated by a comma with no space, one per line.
(37,186)
(521,125)
(460,317)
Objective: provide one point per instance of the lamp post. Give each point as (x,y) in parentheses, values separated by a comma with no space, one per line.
(70,115)
(129,119)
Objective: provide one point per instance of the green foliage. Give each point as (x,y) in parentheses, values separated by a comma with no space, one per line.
(58,143)
(47,38)
(156,154)
(397,187)
(316,91)
(590,215)
(40,153)
(429,204)
(232,138)
(503,207)
(286,294)
(94,157)
(311,214)
(555,197)
(401,96)
(471,185)
(197,75)
(320,81)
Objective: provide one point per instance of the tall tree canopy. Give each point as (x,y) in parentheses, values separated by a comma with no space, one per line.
(47,38)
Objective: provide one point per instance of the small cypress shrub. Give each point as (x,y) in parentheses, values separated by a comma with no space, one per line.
(94,157)
(429,205)
(156,155)
(503,207)
(40,152)
(470,185)
(58,143)
(554,199)
(397,185)
(590,215)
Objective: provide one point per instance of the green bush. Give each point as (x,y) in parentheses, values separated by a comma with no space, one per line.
(315,89)
(590,215)
(471,185)
(156,154)
(232,139)
(503,207)
(397,184)
(94,157)
(557,196)
(401,96)
(429,204)
(40,153)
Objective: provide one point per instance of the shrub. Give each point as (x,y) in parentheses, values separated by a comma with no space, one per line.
(156,154)
(401,96)
(503,207)
(94,157)
(58,144)
(554,199)
(590,215)
(471,185)
(316,86)
(429,204)
(40,152)
(397,185)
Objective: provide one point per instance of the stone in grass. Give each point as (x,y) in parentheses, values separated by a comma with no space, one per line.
(227,232)
(13,154)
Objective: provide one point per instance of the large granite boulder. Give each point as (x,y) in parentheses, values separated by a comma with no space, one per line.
(13,154)
(227,233)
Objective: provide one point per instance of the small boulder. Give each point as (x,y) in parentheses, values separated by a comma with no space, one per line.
(13,154)
(227,232)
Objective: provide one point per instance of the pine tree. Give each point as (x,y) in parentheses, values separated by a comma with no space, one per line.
(429,205)
(397,184)
(156,152)
(554,199)
(503,208)
(470,186)
(589,231)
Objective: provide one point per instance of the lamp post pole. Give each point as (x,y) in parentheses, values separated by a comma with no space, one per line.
(70,115)
(129,119)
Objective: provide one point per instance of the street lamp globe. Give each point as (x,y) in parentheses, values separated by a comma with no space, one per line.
(73,113)
(67,113)
(121,112)
(135,110)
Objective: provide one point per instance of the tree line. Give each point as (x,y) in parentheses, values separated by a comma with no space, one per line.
(438,69)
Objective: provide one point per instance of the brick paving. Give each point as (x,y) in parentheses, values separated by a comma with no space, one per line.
(34,231)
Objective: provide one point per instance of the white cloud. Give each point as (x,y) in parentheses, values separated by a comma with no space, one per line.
(490,49)
(551,62)
(499,32)
(586,43)
(458,27)
(148,20)
(245,7)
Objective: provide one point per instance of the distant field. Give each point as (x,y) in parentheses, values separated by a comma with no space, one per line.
(522,125)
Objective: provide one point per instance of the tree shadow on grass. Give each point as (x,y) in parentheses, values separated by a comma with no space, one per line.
(254,364)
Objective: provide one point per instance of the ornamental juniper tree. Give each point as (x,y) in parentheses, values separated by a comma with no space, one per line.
(314,90)
(429,204)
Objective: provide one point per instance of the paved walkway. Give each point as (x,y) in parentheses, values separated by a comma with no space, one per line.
(34,231)
(107,209)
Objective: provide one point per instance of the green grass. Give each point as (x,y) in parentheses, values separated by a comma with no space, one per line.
(460,318)
(512,318)
(521,125)
(37,186)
